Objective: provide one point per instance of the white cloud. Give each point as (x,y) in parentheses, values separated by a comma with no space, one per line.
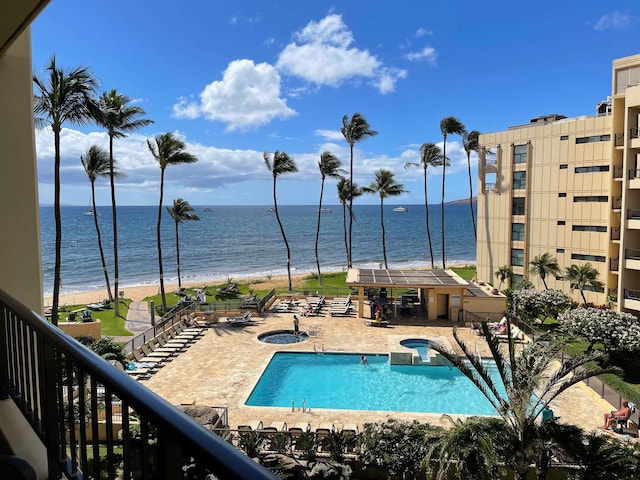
(421,32)
(329,134)
(386,82)
(612,21)
(247,96)
(428,54)
(322,54)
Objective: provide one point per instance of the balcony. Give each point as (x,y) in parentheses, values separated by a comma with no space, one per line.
(634,179)
(634,135)
(616,203)
(618,172)
(632,259)
(70,396)
(618,140)
(633,218)
(489,187)
(632,299)
(615,234)
(613,264)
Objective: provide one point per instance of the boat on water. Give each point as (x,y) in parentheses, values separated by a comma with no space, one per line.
(324,210)
(206,209)
(89,213)
(271,209)
(400,209)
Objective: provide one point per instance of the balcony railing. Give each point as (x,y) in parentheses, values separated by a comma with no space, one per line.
(631,294)
(613,264)
(489,187)
(634,133)
(633,174)
(633,214)
(619,140)
(615,233)
(97,422)
(616,203)
(632,254)
(618,171)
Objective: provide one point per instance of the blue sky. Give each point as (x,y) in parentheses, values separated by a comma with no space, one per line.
(235,79)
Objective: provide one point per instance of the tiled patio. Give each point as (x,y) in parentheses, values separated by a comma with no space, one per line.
(222,367)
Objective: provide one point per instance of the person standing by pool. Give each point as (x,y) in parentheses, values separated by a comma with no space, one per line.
(296,324)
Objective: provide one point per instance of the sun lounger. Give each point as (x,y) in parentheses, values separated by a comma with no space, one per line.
(158,353)
(240,321)
(516,335)
(251,425)
(374,323)
(337,311)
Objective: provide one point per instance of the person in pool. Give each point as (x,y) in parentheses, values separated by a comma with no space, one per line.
(364,360)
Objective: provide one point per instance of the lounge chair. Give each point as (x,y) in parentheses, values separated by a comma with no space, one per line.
(375,323)
(516,335)
(240,321)
(340,311)
(322,432)
(251,425)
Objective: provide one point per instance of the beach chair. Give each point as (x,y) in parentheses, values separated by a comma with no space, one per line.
(251,425)
(322,432)
(516,335)
(298,429)
(340,310)
(240,321)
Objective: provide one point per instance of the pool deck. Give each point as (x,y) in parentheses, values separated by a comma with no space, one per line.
(222,367)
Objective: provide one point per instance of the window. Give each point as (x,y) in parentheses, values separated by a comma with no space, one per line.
(559,250)
(520,154)
(564,137)
(590,258)
(591,198)
(589,228)
(562,195)
(519,180)
(517,206)
(516,279)
(561,222)
(593,138)
(517,257)
(593,168)
(563,166)
(589,288)
(517,231)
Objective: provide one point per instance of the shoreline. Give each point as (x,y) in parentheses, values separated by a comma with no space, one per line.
(137,293)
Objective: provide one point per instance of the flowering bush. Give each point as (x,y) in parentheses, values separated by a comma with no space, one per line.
(531,303)
(614,330)
(395,446)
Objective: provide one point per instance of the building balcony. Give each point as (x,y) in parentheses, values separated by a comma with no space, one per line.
(615,234)
(613,264)
(70,396)
(489,187)
(634,135)
(632,259)
(634,179)
(616,203)
(618,140)
(618,172)
(633,218)
(632,299)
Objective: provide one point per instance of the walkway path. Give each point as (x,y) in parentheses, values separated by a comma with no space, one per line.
(138,319)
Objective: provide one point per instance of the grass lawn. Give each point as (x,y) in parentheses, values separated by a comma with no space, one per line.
(112,326)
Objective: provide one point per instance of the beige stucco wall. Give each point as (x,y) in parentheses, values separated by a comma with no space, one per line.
(82,329)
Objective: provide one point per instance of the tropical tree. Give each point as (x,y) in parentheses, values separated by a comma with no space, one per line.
(529,382)
(63,97)
(181,211)
(385,186)
(96,164)
(281,165)
(118,117)
(471,144)
(330,166)
(582,276)
(543,265)
(503,273)
(344,193)
(167,150)
(448,126)
(430,156)
(354,130)
(107,348)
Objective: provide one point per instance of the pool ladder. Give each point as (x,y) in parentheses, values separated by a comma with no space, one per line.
(304,405)
(320,350)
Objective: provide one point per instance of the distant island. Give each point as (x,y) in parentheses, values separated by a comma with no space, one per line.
(462,200)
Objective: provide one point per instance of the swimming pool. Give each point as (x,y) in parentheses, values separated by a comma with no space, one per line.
(421,345)
(340,381)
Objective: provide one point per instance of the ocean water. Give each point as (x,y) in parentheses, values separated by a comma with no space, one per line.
(245,242)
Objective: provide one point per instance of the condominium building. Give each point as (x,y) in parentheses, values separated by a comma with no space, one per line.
(569,187)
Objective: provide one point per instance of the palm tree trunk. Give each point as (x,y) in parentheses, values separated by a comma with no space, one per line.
(542,277)
(318,232)
(58,221)
(95,220)
(178,256)
(116,306)
(426,214)
(584,299)
(350,251)
(473,217)
(344,225)
(158,234)
(284,237)
(444,173)
(384,243)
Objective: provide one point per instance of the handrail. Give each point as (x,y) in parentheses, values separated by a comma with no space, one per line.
(40,365)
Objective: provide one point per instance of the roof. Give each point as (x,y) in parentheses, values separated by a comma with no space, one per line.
(404,278)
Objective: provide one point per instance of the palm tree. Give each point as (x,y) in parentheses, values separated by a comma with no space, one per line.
(503,273)
(281,165)
(96,164)
(117,117)
(448,126)
(471,144)
(430,155)
(531,382)
(107,348)
(329,166)
(63,97)
(543,265)
(344,193)
(385,186)
(582,276)
(182,211)
(168,150)
(354,131)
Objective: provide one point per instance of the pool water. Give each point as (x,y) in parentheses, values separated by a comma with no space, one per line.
(420,345)
(340,381)
(283,337)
